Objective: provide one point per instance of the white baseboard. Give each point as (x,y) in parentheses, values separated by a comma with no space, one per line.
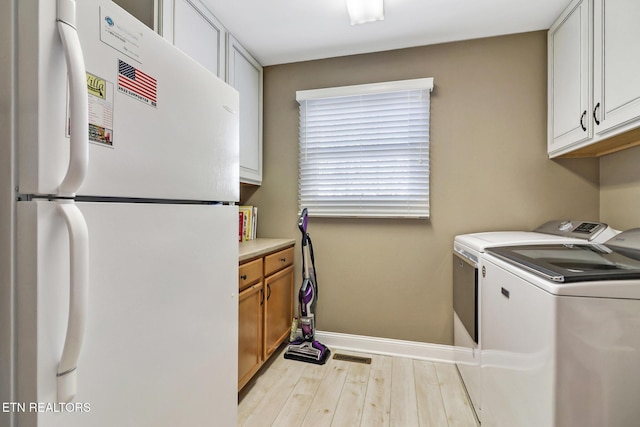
(387,346)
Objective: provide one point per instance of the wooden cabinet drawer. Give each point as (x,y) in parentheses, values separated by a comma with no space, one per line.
(249,273)
(277,261)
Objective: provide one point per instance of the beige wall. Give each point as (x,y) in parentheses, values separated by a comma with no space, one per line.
(141,9)
(620,189)
(490,171)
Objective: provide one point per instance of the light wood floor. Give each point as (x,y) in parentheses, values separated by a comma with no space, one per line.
(391,391)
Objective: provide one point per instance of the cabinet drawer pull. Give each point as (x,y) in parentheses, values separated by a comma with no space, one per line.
(595,115)
(283,259)
(584,114)
(243,277)
(505,292)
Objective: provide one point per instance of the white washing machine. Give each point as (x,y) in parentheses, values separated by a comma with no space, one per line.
(467,283)
(560,328)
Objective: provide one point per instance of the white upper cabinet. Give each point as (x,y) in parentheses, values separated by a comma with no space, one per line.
(616,63)
(594,78)
(190,26)
(245,75)
(569,56)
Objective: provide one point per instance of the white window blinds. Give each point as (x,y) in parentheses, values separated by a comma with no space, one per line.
(364,150)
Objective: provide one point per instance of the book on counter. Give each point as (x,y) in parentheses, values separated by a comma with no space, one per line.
(247,222)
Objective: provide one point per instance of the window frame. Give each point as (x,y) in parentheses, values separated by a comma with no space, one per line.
(421,209)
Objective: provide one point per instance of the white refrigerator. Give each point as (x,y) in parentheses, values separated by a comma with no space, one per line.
(118,231)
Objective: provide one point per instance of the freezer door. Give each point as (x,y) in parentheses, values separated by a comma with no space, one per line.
(160,124)
(160,345)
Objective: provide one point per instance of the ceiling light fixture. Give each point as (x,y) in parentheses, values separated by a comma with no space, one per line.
(362,11)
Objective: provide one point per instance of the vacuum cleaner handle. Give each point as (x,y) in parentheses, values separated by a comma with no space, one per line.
(302,224)
(313,265)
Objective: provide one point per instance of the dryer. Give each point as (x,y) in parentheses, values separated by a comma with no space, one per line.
(561,334)
(468,250)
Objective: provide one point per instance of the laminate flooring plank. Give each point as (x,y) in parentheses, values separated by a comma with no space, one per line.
(431,412)
(351,403)
(377,401)
(323,406)
(296,407)
(266,411)
(258,387)
(454,398)
(404,407)
(391,391)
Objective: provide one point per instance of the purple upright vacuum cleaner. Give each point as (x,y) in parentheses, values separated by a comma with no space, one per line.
(302,344)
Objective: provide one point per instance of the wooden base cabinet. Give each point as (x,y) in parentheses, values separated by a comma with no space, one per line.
(250,333)
(278,309)
(265,309)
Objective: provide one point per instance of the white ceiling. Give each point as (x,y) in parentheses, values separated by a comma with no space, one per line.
(284,31)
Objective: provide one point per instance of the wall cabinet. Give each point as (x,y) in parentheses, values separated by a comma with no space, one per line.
(569,60)
(616,70)
(245,75)
(191,27)
(594,79)
(265,309)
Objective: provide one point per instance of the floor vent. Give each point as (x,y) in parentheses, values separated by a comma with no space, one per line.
(349,358)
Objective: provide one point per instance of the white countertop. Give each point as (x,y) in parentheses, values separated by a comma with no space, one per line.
(260,247)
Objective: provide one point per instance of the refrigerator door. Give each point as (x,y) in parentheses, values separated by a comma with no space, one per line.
(161,125)
(160,344)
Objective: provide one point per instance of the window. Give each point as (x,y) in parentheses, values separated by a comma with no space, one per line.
(364,150)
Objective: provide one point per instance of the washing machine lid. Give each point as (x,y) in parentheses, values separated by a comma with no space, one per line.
(479,242)
(557,231)
(568,263)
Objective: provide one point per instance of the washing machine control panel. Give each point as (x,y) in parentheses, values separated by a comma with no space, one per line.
(587,230)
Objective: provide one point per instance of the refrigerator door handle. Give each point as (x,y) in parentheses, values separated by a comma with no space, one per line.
(78,298)
(78,100)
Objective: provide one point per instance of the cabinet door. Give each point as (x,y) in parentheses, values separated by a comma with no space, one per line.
(251,302)
(616,63)
(278,311)
(569,85)
(245,75)
(198,34)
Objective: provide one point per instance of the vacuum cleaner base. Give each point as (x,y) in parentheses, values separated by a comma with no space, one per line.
(308,351)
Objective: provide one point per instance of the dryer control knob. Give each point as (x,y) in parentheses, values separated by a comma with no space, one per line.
(565,226)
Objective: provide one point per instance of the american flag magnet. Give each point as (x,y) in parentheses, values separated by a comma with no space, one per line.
(137,84)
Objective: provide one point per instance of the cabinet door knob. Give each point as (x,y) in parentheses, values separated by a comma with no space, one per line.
(243,277)
(595,113)
(584,114)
